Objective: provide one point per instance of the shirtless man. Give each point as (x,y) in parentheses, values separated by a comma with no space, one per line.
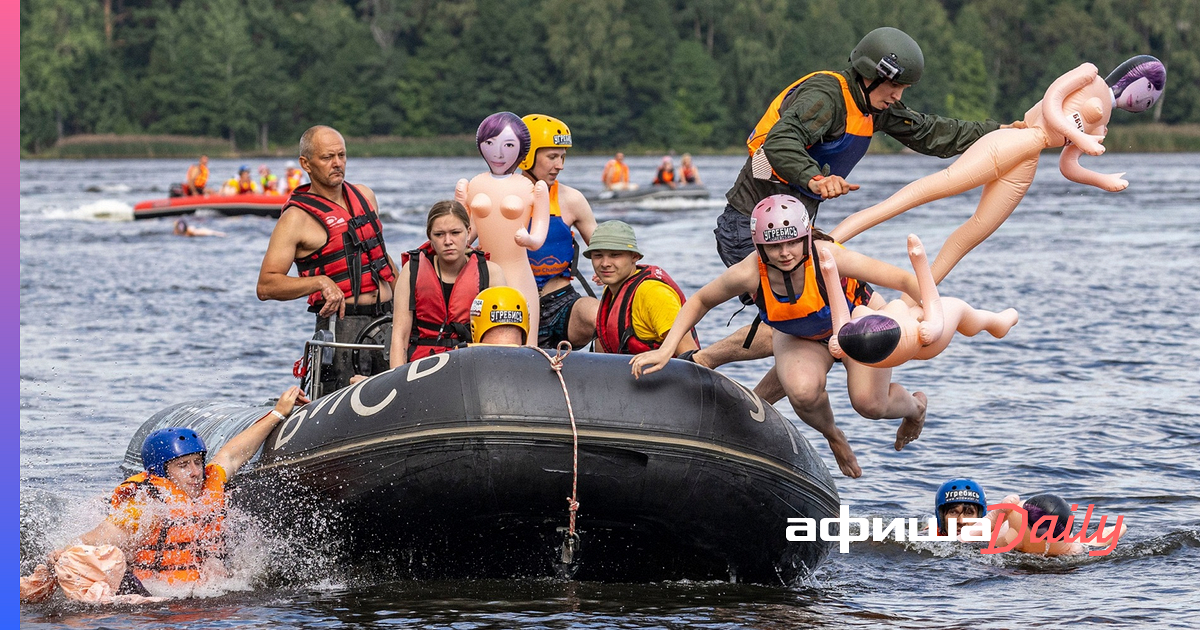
(564,313)
(331,232)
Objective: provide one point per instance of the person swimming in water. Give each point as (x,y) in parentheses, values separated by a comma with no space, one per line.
(183,229)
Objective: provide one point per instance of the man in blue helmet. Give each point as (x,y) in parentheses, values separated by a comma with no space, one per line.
(958,499)
(168,519)
(812,135)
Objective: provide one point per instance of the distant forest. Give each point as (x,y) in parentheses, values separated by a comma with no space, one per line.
(653,73)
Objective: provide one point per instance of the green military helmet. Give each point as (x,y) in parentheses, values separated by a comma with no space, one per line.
(888,53)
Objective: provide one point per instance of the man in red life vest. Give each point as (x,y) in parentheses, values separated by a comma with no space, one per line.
(330,230)
(168,520)
(640,302)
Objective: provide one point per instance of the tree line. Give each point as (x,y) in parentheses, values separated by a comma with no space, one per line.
(622,73)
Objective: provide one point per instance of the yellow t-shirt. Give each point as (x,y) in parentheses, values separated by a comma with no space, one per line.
(654,308)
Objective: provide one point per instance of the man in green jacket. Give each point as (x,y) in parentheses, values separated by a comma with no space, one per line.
(809,140)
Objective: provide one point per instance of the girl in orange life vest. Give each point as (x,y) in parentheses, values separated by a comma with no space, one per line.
(167,520)
(793,300)
(898,332)
(666,173)
(438,283)
(510,214)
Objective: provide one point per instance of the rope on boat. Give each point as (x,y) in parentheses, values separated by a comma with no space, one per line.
(556,363)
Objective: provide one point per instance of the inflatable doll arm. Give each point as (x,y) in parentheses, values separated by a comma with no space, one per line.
(837,308)
(1068,164)
(1058,120)
(460,191)
(540,220)
(930,329)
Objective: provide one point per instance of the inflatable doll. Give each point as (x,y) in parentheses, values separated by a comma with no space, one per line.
(1074,114)
(501,205)
(898,332)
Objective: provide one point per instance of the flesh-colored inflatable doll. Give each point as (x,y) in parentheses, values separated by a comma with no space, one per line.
(898,332)
(501,205)
(1074,114)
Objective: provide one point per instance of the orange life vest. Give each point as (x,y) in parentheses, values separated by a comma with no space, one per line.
(808,317)
(616,172)
(294,176)
(202,178)
(185,534)
(841,155)
(664,176)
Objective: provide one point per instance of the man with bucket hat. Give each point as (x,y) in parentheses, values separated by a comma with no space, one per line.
(640,302)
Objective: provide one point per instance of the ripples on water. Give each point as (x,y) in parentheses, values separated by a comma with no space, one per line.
(1093,395)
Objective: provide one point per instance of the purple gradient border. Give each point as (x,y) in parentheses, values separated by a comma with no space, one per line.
(10,309)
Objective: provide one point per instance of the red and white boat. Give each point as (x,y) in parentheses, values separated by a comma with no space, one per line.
(229,205)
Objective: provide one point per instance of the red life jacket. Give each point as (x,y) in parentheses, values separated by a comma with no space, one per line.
(354,255)
(187,531)
(614,319)
(439,324)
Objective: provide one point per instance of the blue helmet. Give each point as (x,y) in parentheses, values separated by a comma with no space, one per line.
(958,491)
(164,445)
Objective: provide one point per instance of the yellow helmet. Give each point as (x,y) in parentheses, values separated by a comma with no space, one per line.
(498,306)
(544,131)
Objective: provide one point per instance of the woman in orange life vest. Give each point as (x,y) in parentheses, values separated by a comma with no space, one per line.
(666,173)
(687,170)
(293,177)
(438,282)
(899,332)
(792,299)
(168,520)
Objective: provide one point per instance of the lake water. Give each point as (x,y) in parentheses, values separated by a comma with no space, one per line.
(1094,395)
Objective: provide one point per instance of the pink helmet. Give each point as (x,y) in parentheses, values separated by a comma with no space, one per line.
(779,219)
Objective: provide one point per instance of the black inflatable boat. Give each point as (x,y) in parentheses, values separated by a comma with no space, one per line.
(461,465)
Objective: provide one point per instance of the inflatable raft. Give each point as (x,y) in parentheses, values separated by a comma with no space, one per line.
(460,465)
(644,193)
(230,205)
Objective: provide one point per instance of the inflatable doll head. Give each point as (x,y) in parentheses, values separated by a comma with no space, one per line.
(503,141)
(1138,83)
(869,339)
(1042,505)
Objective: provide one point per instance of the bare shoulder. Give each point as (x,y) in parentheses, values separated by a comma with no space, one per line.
(369,194)
(574,201)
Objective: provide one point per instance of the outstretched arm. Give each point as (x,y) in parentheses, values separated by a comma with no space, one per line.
(738,279)
(1068,164)
(241,447)
(930,329)
(838,310)
(539,225)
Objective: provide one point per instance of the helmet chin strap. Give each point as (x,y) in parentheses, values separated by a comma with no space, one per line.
(867,93)
(787,273)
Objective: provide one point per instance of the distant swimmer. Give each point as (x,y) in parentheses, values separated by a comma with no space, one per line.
(793,299)
(197,178)
(616,174)
(167,522)
(688,173)
(439,283)
(500,316)
(665,176)
(330,230)
(183,229)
